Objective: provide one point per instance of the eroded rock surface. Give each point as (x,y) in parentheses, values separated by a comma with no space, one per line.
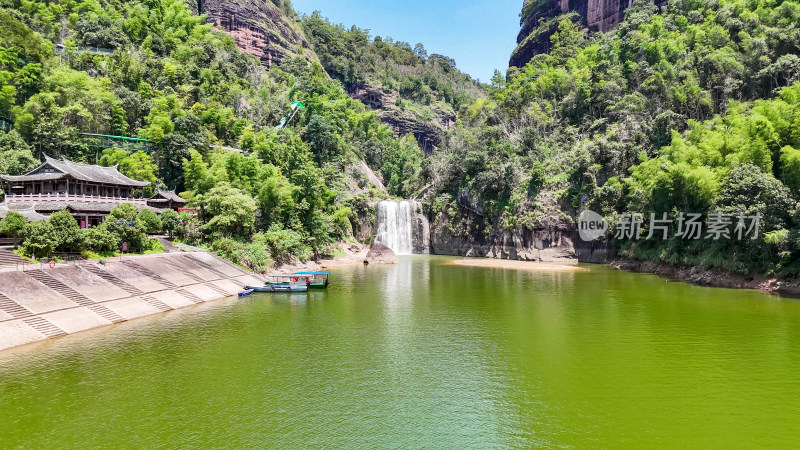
(258,27)
(428,132)
(537,26)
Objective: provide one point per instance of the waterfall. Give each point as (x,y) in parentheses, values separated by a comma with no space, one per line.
(394,226)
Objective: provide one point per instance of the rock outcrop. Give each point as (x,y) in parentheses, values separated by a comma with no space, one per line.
(537,24)
(258,27)
(550,245)
(380,254)
(428,132)
(420,230)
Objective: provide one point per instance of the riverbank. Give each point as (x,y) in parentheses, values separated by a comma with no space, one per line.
(349,254)
(710,277)
(39,302)
(517,265)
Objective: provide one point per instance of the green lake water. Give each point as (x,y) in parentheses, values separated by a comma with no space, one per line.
(425,354)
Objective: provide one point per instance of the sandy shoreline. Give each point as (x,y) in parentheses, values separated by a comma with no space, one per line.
(516,265)
(356,254)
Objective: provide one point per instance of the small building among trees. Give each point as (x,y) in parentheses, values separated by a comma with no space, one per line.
(166,200)
(88,192)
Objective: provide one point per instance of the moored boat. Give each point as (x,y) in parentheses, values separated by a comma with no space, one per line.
(284,283)
(317,280)
(278,288)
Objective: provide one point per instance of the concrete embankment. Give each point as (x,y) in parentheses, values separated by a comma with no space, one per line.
(41,302)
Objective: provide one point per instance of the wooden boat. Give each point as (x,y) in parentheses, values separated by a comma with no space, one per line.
(317,280)
(279,288)
(281,282)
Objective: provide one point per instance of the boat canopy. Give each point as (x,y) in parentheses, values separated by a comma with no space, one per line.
(286,275)
(313,273)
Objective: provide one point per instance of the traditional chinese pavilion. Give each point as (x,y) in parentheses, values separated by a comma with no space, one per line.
(166,200)
(89,192)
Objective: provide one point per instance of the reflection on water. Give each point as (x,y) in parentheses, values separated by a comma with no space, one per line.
(422,354)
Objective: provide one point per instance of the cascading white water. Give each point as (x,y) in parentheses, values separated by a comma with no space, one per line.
(394,226)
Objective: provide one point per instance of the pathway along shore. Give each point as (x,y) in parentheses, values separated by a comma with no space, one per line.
(41,302)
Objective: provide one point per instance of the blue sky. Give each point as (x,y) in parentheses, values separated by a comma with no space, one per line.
(479,34)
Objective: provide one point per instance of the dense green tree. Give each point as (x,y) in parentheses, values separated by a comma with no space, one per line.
(40,239)
(123,222)
(100,239)
(15,154)
(231,211)
(13,225)
(67,232)
(170,221)
(150,221)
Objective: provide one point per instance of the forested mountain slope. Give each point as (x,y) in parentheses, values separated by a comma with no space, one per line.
(154,70)
(539,20)
(412,91)
(694,109)
(654,116)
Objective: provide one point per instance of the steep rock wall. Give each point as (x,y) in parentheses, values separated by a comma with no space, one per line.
(537,26)
(550,244)
(428,133)
(258,27)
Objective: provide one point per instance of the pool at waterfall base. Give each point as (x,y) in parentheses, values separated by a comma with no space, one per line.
(425,353)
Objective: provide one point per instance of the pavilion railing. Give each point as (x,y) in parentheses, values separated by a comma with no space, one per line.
(72,197)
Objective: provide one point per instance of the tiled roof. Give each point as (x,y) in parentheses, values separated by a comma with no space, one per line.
(83,172)
(48,207)
(36,177)
(166,196)
(29,214)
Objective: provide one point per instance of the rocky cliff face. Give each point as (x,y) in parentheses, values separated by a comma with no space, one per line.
(258,27)
(553,244)
(537,24)
(428,132)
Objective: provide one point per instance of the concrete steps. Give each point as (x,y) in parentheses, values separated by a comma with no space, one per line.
(9,258)
(190,296)
(127,287)
(156,303)
(204,265)
(106,313)
(68,300)
(149,273)
(44,326)
(13,308)
(185,271)
(44,278)
(216,289)
(75,296)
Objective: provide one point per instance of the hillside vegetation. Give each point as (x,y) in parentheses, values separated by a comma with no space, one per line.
(691,109)
(683,111)
(153,70)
